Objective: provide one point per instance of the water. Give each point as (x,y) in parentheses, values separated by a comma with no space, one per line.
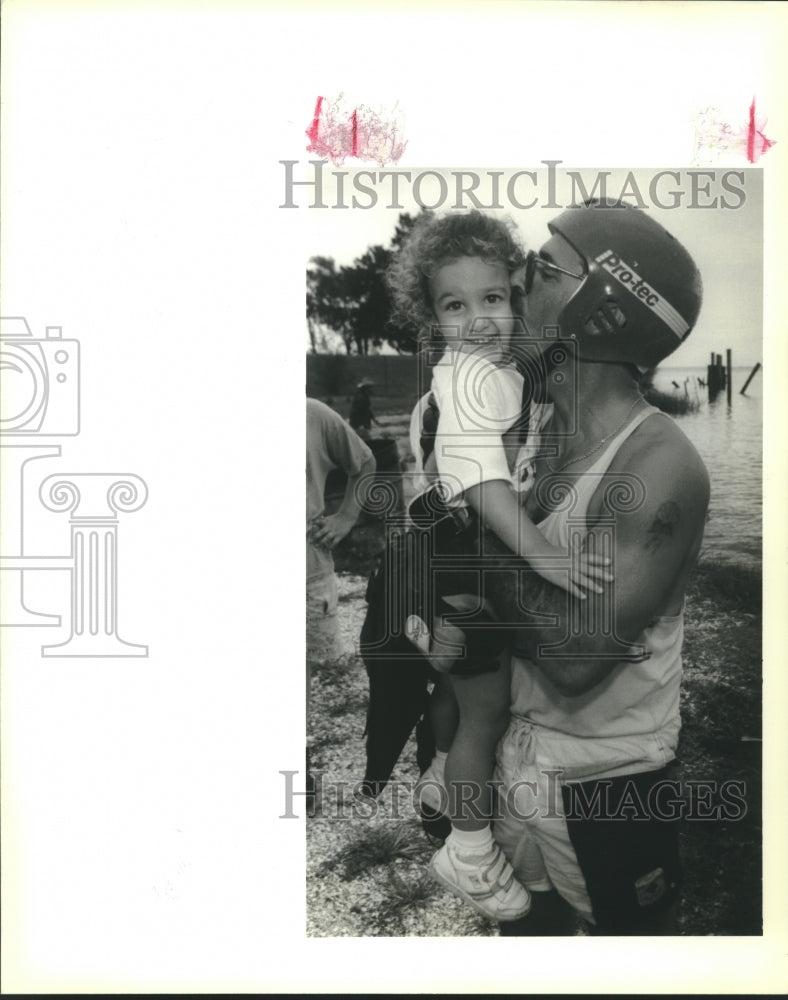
(730,442)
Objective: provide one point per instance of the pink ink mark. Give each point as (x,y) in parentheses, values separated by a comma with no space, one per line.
(354,145)
(757,143)
(365,133)
(716,138)
(312,131)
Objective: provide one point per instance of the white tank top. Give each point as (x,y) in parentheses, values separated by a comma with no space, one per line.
(634,698)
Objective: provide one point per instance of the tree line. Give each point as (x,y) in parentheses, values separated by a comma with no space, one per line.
(353,301)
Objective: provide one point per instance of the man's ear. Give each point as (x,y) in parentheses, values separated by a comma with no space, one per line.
(517,281)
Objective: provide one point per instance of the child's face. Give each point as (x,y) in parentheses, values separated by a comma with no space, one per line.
(471,300)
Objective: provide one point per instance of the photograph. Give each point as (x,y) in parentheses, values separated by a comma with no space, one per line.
(510,274)
(655,429)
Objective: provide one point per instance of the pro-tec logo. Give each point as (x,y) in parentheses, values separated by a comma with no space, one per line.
(631,280)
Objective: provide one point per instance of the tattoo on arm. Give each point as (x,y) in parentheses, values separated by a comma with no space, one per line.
(667,518)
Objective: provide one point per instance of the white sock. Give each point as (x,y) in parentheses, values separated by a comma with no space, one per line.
(471,840)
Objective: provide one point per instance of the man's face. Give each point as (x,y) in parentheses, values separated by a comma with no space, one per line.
(551,290)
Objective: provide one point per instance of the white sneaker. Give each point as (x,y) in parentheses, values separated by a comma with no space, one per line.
(485,880)
(430,792)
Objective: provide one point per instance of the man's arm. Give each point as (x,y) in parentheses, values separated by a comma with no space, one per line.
(656,546)
(350,507)
(348,452)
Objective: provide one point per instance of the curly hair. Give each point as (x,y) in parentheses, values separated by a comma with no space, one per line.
(434,242)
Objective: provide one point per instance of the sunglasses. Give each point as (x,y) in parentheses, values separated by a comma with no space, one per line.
(533,260)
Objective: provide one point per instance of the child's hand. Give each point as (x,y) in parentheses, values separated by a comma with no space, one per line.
(574,571)
(442,647)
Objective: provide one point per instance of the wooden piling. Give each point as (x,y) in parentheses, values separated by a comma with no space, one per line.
(729,381)
(719,377)
(749,378)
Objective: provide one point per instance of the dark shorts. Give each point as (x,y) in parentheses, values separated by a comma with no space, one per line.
(629,857)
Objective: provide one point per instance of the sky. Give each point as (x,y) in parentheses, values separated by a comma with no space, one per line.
(726,243)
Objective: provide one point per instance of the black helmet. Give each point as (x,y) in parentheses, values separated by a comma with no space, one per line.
(642,291)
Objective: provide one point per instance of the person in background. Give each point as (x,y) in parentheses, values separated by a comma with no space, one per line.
(361,416)
(330,444)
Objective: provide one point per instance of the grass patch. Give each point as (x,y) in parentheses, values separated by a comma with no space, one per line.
(735,585)
(324,740)
(351,704)
(334,671)
(409,892)
(374,847)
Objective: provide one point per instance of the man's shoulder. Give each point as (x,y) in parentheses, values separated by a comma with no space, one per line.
(317,408)
(664,458)
(321,414)
(330,427)
(660,439)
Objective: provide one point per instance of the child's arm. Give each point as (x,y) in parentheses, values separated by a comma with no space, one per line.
(497,505)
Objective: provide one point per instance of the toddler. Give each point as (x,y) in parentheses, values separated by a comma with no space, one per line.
(453,277)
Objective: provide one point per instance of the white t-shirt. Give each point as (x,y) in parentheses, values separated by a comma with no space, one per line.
(478,402)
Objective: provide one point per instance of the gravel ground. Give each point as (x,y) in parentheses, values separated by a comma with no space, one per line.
(366,874)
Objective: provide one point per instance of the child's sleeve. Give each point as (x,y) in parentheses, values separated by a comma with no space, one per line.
(478,402)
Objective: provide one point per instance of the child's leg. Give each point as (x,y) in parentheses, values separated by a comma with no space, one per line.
(470,863)
(444,714)
(483,701)
(430,791)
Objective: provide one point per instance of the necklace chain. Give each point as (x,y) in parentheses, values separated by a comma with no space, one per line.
(600,444)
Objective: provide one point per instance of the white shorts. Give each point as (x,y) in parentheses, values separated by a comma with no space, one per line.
(532,763)
(322,632)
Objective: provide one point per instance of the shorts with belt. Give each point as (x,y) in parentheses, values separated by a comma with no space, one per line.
(591,835)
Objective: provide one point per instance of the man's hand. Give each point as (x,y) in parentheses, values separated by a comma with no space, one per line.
(326,532)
